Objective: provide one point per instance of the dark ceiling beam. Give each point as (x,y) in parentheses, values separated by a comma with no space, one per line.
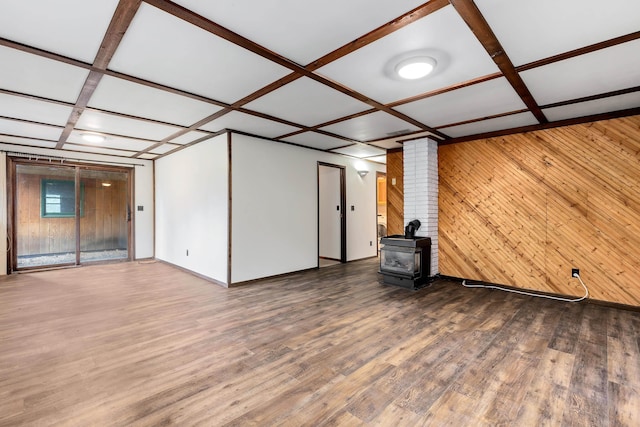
(593,97)
(235,38)
(380,32)
(122,17)
(581,51)
(470,13)
(549,125)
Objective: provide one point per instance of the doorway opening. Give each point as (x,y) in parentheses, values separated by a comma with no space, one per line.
(332,221)
(67,215)
(381,206)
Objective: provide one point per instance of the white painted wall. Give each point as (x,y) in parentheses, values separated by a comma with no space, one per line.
(275,207)
(191,208)
(143,181)
(329,214)
(143,192)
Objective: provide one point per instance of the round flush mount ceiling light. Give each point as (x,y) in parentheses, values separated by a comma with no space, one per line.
(416,67)
(93,138)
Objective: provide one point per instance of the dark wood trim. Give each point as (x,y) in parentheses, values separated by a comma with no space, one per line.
(593,97)
(343,208)
(481,29)
(193,273)
(78,201)
(581,51)
(380,32)
(229,207)
(480,119)
(395,150)
(10,189)
(120,21)
(119,24)
(183,146)
(548,125)
(277,276)
(90,85)
(440,91)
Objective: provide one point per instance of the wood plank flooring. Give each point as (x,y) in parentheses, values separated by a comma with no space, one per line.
(144,344)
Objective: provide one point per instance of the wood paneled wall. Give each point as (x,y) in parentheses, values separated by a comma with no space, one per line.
(103,225)
(395,192)
(523,209)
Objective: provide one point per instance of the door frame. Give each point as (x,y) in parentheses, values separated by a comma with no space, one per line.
(343,205)
(379,175)
(12,254)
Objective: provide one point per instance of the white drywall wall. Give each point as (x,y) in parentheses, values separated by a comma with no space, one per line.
(191,208)
(275,207)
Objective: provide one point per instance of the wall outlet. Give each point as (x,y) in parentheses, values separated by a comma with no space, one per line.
(575,272)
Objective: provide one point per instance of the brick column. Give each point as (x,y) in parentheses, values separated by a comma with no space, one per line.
(421,191)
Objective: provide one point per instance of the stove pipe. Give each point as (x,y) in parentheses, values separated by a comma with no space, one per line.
(410,229)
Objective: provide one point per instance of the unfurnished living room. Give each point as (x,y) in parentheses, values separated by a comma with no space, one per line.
(303,213)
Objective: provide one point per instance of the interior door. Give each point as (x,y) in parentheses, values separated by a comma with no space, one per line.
(331,213)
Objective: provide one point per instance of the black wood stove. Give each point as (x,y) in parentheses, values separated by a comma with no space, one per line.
(405,261)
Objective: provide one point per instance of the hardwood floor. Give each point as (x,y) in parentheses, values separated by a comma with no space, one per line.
(146,345)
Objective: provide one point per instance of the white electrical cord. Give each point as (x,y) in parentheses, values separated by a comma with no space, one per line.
(576,275)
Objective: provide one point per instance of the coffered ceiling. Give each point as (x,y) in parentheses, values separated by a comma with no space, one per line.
(154,76)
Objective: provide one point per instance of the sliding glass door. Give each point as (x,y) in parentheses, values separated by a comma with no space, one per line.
(104,231)
(45,216)
(69,215)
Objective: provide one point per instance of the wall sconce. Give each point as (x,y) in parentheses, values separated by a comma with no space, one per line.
(363,173)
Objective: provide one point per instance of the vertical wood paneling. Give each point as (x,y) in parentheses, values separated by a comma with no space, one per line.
(524,209)
(395,193)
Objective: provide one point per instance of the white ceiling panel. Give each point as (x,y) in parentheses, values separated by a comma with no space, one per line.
(371,126)
(34,75)
(189,137)
(316,140)
(442,35)
(34,110)
(29,130)
(534,29)
(114,142)
(165,148)
(491,125)
(606,70)
(472,102)
(148,156)
(236,120)
(387,144)
(307,102)
(378,159)
(27,141)
(614,103)
(360,150)
(119,95)
(98,150)
(164,49)
(109,123)
(90,19)
(302,31)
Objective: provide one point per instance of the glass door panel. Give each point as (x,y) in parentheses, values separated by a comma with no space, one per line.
(45,218)
(104,222)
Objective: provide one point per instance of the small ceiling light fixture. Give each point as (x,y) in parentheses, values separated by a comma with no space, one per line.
(93,138)
(416,67)
(106,184)
(363,173)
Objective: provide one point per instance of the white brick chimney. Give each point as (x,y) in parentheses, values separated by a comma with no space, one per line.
(421,191)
